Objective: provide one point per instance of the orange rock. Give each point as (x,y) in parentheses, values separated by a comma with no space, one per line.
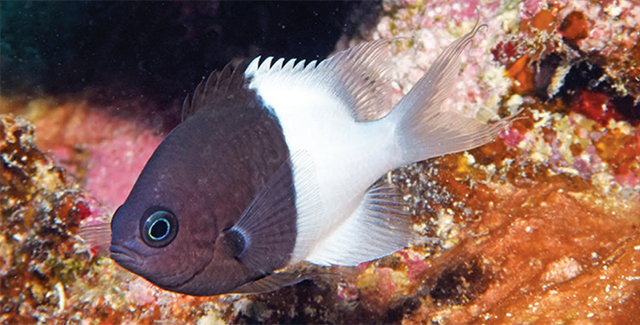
(544,21)
(522,75)
(545,254)
(574,27)
(619,150)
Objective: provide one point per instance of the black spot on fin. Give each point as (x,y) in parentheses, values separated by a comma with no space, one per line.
(237,242)
(221,85)
(268,226)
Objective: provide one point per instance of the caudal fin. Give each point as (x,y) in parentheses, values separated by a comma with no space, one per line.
(425,128)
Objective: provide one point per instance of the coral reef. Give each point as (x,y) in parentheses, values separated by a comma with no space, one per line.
(41,210)
(541,225)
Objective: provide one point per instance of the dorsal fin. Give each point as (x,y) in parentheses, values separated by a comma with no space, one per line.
(357,77)
(219,84)
(363,71)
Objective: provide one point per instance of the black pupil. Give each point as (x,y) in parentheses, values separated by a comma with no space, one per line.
(159,229)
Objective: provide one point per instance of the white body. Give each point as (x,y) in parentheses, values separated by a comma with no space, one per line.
(342,139)
(347,157)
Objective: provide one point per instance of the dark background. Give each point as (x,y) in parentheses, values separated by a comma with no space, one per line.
(157,52)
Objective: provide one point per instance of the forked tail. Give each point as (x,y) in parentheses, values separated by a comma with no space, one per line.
(425,128)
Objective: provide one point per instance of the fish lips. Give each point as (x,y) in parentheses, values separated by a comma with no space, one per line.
(172,266)
(135,262)
(125,257)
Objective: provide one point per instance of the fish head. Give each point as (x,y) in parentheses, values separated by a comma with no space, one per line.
(174,228)
(165,231)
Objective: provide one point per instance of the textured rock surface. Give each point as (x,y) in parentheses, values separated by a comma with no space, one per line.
(541,225)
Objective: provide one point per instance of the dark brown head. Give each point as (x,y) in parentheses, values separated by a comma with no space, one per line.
(166,229)
(175,228)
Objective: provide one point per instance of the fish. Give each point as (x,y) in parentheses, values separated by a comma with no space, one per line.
(275,165)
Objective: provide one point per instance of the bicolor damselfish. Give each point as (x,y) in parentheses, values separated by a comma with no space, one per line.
(274,165)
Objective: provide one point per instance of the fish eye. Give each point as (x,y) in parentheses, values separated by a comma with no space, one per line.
(159,227)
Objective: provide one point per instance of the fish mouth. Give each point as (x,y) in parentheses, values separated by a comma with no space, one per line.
(125,256)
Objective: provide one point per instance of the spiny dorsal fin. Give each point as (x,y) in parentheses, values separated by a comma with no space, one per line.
(356,76)
(219,84)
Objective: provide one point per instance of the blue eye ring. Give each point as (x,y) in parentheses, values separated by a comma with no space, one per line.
(158,227)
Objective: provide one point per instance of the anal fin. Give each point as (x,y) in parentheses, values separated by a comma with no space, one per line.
(380,226)
(271,282)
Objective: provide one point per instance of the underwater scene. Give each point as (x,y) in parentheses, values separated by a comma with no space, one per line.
(506,189)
